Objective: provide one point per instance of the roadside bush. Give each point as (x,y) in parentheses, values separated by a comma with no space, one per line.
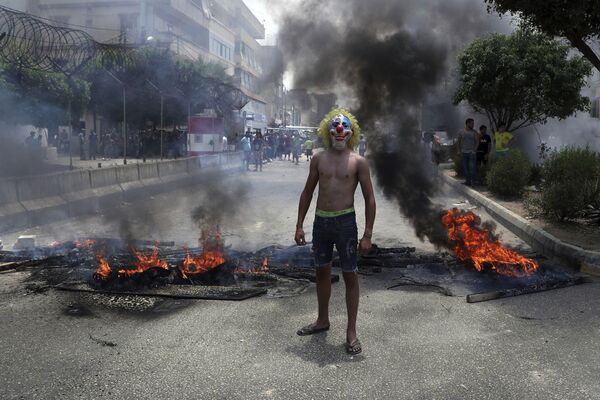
(535,179)
(508,176)
(571,182)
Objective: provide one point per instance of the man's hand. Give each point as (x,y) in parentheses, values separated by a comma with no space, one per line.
(364,246)
(299,237)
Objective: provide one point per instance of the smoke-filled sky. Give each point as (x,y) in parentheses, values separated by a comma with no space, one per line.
(383,58)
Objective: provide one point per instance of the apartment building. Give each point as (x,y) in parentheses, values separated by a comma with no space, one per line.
(224,31)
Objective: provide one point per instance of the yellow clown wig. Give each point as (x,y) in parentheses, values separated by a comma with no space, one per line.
(324,128)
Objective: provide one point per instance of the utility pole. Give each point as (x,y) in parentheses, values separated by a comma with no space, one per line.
(161,125)
(161,115)
(124,115)
(124,126)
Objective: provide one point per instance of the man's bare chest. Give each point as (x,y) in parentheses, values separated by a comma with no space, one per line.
(338,172)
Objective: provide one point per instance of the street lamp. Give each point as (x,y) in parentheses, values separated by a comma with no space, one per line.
(124,116)
(161,115)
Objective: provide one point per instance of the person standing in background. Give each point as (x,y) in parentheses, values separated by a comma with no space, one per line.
(308,148)
(503,140)
(246,145)
(362,146)
(468,140)
(484,148)
(257,149)
(93,145)
(224,143)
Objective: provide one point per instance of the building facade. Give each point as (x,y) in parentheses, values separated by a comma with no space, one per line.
(222,31)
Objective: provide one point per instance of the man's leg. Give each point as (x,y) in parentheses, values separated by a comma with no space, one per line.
(466,168)
(352,295)
(473,163)
(323,294)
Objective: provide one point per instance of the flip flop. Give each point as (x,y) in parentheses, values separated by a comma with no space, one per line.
(311,330)
(353,348)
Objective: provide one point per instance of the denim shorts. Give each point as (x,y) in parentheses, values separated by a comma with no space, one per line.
(341,231)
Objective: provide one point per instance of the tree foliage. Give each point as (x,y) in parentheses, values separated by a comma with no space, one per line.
(146,75)
(40,98)
(521,79)
(577,21)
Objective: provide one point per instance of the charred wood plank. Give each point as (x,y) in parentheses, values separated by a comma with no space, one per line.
(30,263)
(5,266)
(174,292)
(133,242)
(540,287)
(300,273)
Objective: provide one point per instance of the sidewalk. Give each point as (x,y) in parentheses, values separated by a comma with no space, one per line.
(570,243)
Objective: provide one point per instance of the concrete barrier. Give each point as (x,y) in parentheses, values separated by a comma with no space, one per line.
(76,189)
(41,199)
(210,161)
(171,172)
(194,164)
(40,196)
(106,186)
(128,177)
(148,173)
(167,168)
(12,214)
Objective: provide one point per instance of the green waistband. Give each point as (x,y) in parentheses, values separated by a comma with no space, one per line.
(331,214)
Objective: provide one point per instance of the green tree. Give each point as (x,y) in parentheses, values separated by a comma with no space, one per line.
(577,21)
(182,82)
(40,98)
(521,79)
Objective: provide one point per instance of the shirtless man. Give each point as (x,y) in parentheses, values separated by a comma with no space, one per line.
(337,170)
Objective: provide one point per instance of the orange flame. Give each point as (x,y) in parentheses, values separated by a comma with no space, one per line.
(475,243)
(261,269)
(202,263)
(103,270)
(212,254)
(86,244)
(144,262)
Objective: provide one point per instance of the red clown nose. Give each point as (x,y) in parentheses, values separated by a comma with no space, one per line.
(339,129)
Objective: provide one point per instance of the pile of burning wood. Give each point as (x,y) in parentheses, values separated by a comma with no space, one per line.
(115,265)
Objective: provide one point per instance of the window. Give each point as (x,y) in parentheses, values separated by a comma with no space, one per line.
(220,49)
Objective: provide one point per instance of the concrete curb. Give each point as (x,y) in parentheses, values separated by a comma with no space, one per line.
(550,246)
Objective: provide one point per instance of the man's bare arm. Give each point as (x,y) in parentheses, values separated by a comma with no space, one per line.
(364,178)
(305,199)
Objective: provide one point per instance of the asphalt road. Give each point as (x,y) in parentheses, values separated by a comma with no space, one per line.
(417,344)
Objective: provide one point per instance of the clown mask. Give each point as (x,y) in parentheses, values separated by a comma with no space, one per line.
(340,131)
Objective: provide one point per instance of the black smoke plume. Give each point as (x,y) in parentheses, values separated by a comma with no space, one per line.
(389,55)
(220,201)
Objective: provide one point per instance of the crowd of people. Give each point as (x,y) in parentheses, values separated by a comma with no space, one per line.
(259,148)
(475,148)
(109,144)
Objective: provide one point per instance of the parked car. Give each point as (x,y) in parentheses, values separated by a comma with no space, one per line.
(447,143)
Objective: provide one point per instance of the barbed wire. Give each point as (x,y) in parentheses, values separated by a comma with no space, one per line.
(29,42)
